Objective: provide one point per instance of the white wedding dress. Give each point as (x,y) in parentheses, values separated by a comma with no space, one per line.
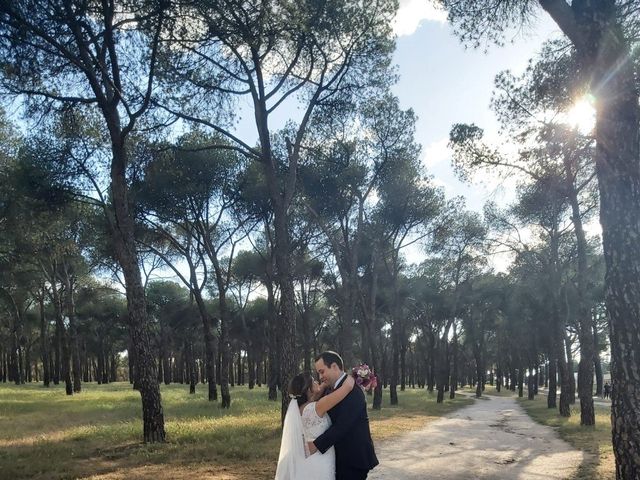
(294,462)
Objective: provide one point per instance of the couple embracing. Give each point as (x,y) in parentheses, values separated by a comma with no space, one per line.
(326,429)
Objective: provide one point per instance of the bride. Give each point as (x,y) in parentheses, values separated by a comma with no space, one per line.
(304,422)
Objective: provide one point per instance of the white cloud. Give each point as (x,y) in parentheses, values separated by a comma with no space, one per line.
(436,153)
(411,14)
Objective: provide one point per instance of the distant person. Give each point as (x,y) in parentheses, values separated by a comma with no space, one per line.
(607,390)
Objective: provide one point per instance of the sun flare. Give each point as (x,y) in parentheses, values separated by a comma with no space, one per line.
(582,115)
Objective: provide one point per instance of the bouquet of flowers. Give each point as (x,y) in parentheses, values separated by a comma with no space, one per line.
(365,377)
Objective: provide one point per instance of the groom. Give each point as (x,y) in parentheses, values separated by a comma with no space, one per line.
(349,432)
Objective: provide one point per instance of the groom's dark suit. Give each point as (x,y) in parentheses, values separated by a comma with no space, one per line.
(351,437)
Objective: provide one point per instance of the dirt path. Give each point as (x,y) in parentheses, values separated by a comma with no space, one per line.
(491,439)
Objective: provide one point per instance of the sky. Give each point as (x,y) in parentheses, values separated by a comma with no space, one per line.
(445,83)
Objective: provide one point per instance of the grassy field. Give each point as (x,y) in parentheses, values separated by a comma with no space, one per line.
(96,435)
(594,440)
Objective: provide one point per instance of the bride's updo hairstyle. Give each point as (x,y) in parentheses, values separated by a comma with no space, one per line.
(299,387)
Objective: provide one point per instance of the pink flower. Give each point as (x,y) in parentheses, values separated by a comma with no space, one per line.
(364,376)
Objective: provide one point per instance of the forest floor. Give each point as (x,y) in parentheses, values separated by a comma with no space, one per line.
(96,435)
(495,439)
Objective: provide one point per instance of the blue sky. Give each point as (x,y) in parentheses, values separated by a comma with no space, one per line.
(445,83)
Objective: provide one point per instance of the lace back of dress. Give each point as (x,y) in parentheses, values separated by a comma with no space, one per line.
(313,425)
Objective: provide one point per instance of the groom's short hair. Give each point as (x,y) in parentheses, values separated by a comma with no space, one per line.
(329,358)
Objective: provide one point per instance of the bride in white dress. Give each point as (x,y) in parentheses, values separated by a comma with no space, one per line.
(306,420)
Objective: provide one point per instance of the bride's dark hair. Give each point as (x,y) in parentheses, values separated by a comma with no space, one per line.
(299,387)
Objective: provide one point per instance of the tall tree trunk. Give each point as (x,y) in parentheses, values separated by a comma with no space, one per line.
(191,368)
(565,383)
(86,370)
(209,342)
(597,363)
(44,344)
(572,378)
(372,333)
(442,369)
(100,365)
(4,364)
(27,364)
(225,350)
(288,357)
(604,48)
(306,328)
(477,355)
(251,368)
(431,367)
(454,373)
(57,353)
(585,332)
(127,256)
(274,341)
(113,370)
(259,370)
(166,366)
(403,361)
(396,332)
(520,381)
(559,331)
(70,307)
(65,367)
(531,384)
(131,357)
(395,356)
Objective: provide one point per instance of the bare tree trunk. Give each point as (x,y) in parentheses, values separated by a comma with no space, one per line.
(585,332)
(431,367)
(477,355)
(565,383)
(274,341)
(191,368)
(571,377)
(209,345)
(597,364)
(604,48)
(520,381)
(442,368)
(454,373)
(395,356)
(531,384)
(65,367)
(306,329)
(44,344)
(125,248)
(70,307)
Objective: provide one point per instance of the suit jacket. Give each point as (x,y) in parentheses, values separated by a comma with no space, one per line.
(349,433)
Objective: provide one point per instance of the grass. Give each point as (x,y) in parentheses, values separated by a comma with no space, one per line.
(97,434)
(593,440)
